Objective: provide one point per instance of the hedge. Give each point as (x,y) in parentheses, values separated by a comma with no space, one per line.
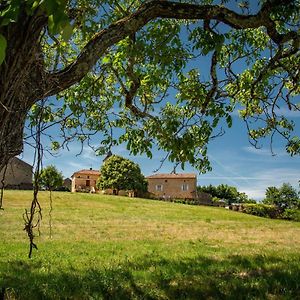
(262,210)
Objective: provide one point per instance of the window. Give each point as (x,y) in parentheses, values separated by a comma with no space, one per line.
(185,187)
(88,177)
(159,187)
(166,180)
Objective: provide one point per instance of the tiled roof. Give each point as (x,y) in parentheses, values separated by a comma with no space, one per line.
(179,175)
(87,172)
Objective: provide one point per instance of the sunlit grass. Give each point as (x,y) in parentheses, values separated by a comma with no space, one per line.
(123,248)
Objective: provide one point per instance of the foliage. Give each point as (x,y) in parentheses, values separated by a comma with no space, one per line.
(119,248)
(262,210)
(285,197)
(291,214)
(58,21)
(51,178)
(119,173)
(225,192)
(272,194)
(132,70)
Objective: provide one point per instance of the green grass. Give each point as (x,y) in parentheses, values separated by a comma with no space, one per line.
(109,247)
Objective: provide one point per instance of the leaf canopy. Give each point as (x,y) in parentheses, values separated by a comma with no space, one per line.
(119,173)
(166,73)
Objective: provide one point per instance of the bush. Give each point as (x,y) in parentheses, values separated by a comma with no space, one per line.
(262,210)
(291,214)
(62,189)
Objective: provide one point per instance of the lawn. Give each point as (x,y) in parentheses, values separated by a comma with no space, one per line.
(110,247)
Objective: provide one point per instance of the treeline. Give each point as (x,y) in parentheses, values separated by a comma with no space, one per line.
(226,193)
(280,202)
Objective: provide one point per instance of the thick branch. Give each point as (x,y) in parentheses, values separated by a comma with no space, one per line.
(214,79)
(106,38)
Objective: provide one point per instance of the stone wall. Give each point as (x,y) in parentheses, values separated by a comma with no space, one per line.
(84,182)
(18,175)
(182,188)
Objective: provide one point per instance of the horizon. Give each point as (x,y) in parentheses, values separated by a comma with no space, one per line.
(234,161)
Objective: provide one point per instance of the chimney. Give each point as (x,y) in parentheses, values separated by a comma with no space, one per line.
(91,169)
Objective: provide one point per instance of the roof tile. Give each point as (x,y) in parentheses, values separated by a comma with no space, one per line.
(87,172)
(179,175)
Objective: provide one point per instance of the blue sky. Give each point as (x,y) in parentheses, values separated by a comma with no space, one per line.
(234,161)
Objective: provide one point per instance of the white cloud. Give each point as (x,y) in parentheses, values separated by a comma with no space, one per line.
(228,177)
(256,181)
(257,194)
(264,151)
(271,177)
(279,175)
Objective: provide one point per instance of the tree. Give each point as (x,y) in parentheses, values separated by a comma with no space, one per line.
(119,173)
(112,64)
(51,178)
(285,197)
(209,189)
(226,192)
(272,194)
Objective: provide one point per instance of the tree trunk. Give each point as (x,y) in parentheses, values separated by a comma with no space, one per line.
(21,76)
(11,134)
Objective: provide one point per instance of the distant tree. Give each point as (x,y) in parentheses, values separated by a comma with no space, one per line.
(119,173)
(209,189)
(285,197)
(272,195)
(51,178)
(243,198)
(228,193)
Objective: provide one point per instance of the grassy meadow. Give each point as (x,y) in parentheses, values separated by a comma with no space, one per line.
(110,247)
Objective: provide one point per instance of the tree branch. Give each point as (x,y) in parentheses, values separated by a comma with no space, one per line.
(96,47)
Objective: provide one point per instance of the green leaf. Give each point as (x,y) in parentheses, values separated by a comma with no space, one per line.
(11,13)
(3,45)
(215,122)
(106,60)
(35,5)
(67,32)
(229,121)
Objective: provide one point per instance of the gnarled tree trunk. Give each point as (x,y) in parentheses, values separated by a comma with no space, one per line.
(20,76)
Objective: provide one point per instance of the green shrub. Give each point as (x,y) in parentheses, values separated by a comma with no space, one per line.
(262,210)
(291,214)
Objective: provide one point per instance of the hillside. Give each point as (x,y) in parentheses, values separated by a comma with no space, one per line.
(124,248)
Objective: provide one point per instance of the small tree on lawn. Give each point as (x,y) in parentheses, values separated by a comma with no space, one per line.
(51,178)
(119,173)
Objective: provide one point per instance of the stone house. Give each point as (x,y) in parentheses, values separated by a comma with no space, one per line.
(85,181)
(67,183)
(18,175)
(182,185)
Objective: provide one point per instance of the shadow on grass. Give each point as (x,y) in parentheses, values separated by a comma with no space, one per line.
(235,277)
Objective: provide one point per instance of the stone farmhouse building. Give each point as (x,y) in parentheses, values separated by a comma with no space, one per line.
(168,186)
(18,175)
(85,181)
(67,183)
(182,185)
